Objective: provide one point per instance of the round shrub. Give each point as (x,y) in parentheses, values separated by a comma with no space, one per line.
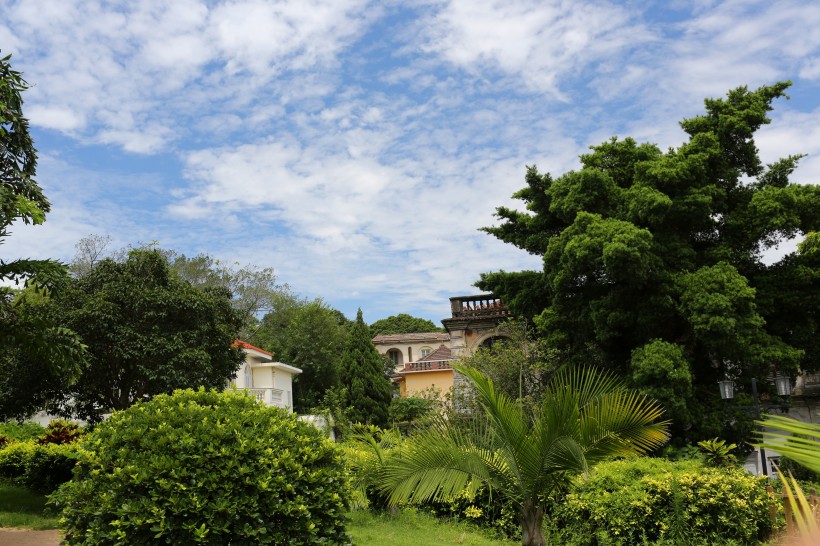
(201,467)
(655,500)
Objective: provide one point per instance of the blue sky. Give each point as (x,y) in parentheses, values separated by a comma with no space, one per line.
(356,146)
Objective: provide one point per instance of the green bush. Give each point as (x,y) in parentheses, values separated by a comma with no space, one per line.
(205,468)
(484,507)
(651,500)
(39,467)
(21,432)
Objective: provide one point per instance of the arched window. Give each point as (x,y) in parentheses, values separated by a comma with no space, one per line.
(426,351)
(490,341)
(248,377)
(396,356)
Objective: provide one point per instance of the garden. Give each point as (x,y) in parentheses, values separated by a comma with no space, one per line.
(202,467)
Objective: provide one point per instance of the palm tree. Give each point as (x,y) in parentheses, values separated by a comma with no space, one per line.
(586,416)
(800,442)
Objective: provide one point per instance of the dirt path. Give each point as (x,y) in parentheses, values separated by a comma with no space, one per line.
(27,537)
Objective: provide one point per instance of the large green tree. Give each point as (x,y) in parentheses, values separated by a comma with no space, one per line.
(36,353)
(403,324)
(653,261)
(148,332)
(311,336)
(254,290)
(362,375)
(526,456)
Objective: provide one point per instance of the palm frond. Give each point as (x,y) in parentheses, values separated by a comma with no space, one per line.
(794,439)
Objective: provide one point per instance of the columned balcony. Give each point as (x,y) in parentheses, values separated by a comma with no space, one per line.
(481,306)
(425,366)
(270,397)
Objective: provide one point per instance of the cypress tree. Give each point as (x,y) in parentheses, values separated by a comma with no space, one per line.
(368,390)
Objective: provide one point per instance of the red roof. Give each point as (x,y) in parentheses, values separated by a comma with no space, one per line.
(440,354)
(245,345)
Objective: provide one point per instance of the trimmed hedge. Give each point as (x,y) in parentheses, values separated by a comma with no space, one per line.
(655,500)
(202,467)
(39,467)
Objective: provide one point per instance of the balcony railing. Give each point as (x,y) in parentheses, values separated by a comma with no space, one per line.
(428,365)
(484,305)
(270,397)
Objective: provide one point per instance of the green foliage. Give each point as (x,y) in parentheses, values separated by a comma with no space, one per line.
(309,335)
(519,365)
(60,431)
(368,390)
(661,371)
(201,467)
(28,430)
(36,351)
(253,290)
(653,500)
(402,324)
(481,506)
(796,440)
(718,453)
(365,453)
(148,332)
(655,257)
(410,410)
(525,454)
(39,467)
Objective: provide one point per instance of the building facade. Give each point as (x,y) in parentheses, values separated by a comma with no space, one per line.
(270,382)
(423,360)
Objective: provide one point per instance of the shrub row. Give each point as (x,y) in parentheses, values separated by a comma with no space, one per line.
(39,467)
(655,500)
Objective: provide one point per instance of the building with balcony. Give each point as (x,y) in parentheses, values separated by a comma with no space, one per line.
(432,373)
(270,382)
(423,360)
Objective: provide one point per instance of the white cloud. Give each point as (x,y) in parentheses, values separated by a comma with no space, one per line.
(358,154)
(99,66)
(539,42)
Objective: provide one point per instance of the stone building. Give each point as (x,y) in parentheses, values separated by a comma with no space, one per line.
(423,360)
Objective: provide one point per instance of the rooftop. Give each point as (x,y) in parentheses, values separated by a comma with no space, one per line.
(410,338)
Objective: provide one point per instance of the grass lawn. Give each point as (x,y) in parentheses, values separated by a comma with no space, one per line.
(19,507)
(409,528)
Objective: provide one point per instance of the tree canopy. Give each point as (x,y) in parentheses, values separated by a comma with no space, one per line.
(254,290)
(653,261)
(403,324)
(311,336)
(34,348)
(148,332)
(368,389)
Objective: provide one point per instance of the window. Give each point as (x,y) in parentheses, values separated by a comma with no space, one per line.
(426,351)
(248,377)
(396,356)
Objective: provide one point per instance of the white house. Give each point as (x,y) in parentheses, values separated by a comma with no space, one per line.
(270,382)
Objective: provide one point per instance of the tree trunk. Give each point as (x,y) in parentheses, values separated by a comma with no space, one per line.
(532,520)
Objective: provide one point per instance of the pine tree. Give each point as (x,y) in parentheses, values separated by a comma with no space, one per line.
(368,390)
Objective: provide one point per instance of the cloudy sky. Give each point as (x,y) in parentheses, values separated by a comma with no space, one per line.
(356,146)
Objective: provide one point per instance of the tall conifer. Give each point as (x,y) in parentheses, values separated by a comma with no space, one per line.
(368,390)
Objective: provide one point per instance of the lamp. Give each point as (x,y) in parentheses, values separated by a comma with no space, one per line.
(727,389)
(784,385)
